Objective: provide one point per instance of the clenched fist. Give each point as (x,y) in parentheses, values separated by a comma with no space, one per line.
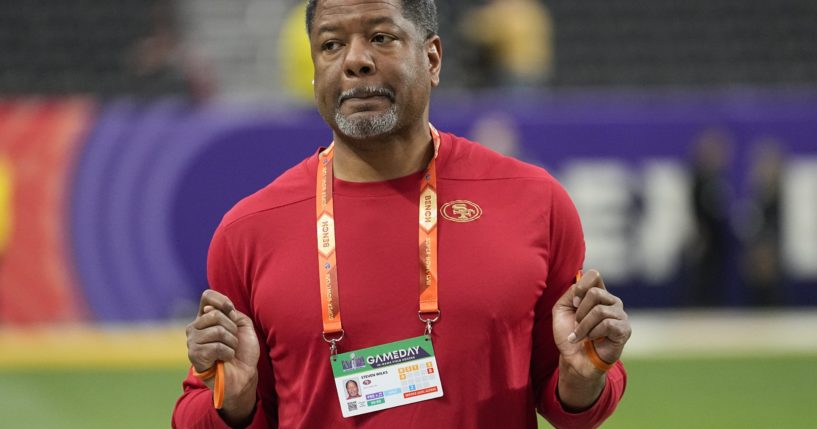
(222,333)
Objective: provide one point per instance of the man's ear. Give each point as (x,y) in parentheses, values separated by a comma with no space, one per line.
(434,52)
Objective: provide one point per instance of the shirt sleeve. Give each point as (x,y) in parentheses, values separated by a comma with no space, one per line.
(594,416)
(194,409)
(565,255)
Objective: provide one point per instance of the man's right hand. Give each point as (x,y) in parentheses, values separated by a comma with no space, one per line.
(220,332)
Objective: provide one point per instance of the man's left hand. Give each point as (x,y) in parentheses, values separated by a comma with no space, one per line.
(589,311)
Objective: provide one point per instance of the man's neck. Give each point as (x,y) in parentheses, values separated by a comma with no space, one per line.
(383,159)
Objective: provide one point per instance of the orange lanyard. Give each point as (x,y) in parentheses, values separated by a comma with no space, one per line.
(327,254)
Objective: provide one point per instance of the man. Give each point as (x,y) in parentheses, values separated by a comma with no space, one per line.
(352,390)
(509,325)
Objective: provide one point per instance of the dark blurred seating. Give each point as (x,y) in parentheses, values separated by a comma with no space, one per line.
(56,47)
(637,43)
(685,42)
(88,46)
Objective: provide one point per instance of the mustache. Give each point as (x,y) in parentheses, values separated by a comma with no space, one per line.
(366,91)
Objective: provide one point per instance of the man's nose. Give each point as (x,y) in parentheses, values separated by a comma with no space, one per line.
(359,61)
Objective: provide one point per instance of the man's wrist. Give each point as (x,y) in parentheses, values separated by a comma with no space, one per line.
(238,411)
(579,390)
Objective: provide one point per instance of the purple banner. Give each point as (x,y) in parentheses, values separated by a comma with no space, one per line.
(154,180)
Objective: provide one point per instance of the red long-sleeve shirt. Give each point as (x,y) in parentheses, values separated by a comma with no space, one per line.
(499,276)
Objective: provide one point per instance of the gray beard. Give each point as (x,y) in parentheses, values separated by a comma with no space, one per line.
(371,126)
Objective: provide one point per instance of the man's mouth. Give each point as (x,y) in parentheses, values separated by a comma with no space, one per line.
(365,93)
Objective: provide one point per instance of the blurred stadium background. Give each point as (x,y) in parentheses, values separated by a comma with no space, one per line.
(686,132)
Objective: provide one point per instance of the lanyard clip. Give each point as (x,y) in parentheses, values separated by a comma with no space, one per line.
(428,328)
(333,341)
(428,321)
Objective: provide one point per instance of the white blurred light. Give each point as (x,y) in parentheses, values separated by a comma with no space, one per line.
(799,208)
(622,241)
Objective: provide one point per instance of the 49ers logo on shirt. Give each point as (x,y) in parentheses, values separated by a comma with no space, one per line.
(461,211)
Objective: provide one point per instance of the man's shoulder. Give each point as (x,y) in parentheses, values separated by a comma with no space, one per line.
(470,160)
(293,186)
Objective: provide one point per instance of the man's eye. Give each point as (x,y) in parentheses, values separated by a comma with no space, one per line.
(330,46)
(382,38)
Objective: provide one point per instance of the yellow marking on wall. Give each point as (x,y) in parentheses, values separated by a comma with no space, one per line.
(6,185)
(60,347)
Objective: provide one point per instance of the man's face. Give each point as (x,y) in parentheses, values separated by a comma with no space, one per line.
(351,389)
(374,69)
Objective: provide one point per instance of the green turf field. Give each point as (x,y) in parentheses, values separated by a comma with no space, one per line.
(774,392)
(719,393)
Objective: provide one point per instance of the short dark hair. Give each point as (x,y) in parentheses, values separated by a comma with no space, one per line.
(423,13)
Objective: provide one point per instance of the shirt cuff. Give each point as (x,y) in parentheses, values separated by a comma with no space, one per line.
(258,421)
(553,410)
